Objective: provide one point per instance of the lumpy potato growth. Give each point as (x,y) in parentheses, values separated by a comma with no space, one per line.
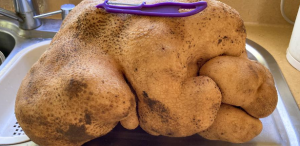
(168,75)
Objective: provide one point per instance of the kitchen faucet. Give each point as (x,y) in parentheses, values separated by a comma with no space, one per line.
(27,13)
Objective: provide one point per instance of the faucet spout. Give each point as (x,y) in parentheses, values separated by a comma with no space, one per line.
(27,9)
(10,14)
(28,16)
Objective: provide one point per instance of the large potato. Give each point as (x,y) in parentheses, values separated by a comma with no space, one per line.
(99,63)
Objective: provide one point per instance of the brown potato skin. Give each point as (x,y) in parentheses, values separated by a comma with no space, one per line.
(99,63)
(243,83)
(233,125)
(195,110)
(166,53)
(265,102)
(75,103)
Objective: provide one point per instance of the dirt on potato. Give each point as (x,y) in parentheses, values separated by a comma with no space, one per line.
(103,68)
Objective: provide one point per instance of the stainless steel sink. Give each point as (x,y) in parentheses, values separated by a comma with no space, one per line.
(7,43)
(13,39)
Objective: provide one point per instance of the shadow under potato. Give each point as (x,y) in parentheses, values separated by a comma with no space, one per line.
(120,136)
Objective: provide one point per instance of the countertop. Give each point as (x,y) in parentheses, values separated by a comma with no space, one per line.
(275,39)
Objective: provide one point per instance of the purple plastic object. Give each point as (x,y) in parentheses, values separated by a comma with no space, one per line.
(165,9)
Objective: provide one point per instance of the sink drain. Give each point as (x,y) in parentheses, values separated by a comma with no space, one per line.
(2,57)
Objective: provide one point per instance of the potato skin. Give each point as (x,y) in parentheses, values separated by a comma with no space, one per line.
(243,83)
(166,53)
(99,63)
(194,110)
(233,125)
(266,101)
(236,77)
(73,104)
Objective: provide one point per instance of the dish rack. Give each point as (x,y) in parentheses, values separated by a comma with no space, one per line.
(11,132)
(11,77)
(2,57)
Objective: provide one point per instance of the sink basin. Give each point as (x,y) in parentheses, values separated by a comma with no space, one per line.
(13,44)
(7,43)
(10,80)
(13,39)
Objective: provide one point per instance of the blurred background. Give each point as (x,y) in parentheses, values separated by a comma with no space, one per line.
(252,11)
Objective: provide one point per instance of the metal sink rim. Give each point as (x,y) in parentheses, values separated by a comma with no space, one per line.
(25,38)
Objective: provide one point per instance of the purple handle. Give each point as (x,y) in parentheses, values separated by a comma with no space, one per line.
(165,9)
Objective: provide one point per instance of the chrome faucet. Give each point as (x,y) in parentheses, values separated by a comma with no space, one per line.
(27,13)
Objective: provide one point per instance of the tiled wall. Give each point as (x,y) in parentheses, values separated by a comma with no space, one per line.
(253,11)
